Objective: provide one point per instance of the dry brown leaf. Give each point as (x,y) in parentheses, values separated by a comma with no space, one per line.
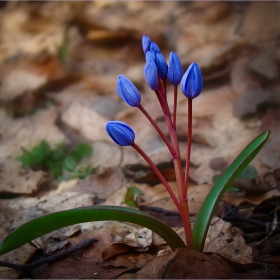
(52,242)
(21,182)
(229,137)
(15,40)
(196,196)
(27,132)
(228,242)
(17,256)
(183,264)
(236,198)
(27,80)
(114,250)
(241,78)
(88,122)
(250,101)
(86,263)
(129,260)
(151,195)
(270,155)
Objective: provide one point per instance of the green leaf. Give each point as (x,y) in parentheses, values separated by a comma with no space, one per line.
(25,158)
(129,197)
(84,149)
(137,190)
(215,178)
(211,202)
(249,173)
(75,156)
(57,155)
(56,169)
(82,173)
(62,49)
(65,177)
(69,164)
(37,154)
(24,151)
(233,189)
(46,149)
(48,223)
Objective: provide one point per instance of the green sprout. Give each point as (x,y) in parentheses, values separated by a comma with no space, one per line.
(59,162)
(63,48)
(131,196)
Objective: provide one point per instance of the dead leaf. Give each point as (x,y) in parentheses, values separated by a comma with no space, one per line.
(19,182)
(27,132)
(18,256)
(264,182)
(129,261)
(253,99)
(264,64)
(183,264)
(270,154)
(87,263)
(241,78)
(196,196)
(27,80)
(228,242)
(114,250)
(236,198)
(88,122)
(15,40)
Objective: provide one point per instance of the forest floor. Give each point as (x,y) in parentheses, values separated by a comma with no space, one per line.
(59,63)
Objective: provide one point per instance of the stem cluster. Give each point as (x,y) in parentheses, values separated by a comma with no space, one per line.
(181,201)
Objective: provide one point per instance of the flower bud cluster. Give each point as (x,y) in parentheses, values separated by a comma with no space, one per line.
(155,70)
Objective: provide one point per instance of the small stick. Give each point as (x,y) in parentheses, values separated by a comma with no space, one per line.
(161,210)
(169,263)
(50,259)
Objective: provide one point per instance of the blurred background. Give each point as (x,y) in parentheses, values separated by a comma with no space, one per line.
(64,58)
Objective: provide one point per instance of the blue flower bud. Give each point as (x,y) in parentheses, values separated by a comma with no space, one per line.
(154,47)
(161,66)
(151,74)
(146,43)
(128,92)
(120,132)
(175,69)
(150,55)
(192,81)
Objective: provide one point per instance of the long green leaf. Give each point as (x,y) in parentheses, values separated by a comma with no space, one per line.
(48,223)
(211,202)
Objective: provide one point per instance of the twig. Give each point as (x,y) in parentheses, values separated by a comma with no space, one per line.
(160,210)
(50,259)
(249,221)
(169,263)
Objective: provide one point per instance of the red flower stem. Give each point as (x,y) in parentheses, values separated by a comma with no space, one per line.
(162,179)
(178,172)
(182,206)
(188,156)
(171,149)
(162,98)
(180,182)
(164,86)
(175,107)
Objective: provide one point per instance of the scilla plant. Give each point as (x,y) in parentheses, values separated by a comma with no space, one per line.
(157,73)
